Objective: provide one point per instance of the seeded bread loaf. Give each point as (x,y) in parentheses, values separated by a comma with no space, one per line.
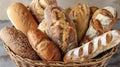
(18,43)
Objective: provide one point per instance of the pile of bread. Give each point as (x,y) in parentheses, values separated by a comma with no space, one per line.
(45,31)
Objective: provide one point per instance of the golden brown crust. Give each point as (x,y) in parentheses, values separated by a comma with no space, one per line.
(21,18)
(37,8)
(60,28)
(45,48)
(18,43)
(80,14)
(92,10)
(94,47)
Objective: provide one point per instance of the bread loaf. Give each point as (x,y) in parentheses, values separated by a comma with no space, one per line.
(21,18)
(80,14)
(92,10)
(45,48)
(37,8)
(18,43)
(60,28)
(102,21)
(94,47)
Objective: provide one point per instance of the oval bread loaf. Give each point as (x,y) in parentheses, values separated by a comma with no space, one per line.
(21,18)
(60,28)
(80,14)
(18,43)
(102,21)
(45,48)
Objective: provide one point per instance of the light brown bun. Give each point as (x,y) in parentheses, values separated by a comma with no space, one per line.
(21,18)
(18,43)
(45,48)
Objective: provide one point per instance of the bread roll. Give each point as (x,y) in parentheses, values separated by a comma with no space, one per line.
(45,48)
(102,21)
(60,28)
(37,8)
(21,18)
(80,14)
(18,43)
(94,47)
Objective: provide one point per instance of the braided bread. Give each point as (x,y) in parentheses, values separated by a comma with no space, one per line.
(94,47)
(102,21)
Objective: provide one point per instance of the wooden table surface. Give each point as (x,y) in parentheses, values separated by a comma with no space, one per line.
(5,60)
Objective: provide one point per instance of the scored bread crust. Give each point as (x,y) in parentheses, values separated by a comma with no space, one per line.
(18,43)
(80,14)
(46,49)
(60,28)
(102,21)
(21,18)
(94,47)
(37,8)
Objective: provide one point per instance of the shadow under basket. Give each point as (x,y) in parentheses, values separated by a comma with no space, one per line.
(99,61)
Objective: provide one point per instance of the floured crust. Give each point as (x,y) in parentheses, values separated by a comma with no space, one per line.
(101,22)
(37,8)
(94,47)
(80,14)
(60,28)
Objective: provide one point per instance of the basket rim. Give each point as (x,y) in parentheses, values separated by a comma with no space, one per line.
(62,63)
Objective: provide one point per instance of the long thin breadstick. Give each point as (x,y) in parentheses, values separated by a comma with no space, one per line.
(96,46)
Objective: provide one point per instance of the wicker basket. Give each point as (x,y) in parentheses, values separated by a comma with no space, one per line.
(101,61)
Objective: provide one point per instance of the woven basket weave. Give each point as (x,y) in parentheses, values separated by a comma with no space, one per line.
(99,62)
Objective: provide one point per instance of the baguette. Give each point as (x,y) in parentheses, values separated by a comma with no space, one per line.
(45,48)
(60,28)
(94,47)
(18,43)
(21,18)
(102,21)
(80,15)
(37,8)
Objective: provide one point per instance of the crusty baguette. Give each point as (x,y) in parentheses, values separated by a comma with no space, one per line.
(102,21)
(18,43)
(45,48)
(93,48)
(80,14)
(60,28)
(21,18)
(37,8)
